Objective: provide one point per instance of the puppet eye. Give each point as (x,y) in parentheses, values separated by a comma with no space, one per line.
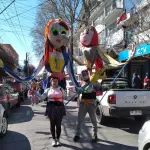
(63,32)
(55,31)
(87,31)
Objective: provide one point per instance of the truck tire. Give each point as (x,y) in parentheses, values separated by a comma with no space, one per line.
(101,119)
(147,147)
(140,118)
(4,125)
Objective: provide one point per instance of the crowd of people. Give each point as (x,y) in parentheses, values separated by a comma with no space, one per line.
(137,83)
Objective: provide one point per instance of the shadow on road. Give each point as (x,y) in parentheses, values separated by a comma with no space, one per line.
(22,114)
(45,133)
(103,145)
(70,126)
(125,124)
(15,141)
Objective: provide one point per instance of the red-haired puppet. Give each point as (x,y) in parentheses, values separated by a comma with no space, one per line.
(56,54)
(94,54)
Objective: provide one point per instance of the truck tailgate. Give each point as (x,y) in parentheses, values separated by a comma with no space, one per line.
(132,98)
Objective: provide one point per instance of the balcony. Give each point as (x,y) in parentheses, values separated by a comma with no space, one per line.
(112,16)
(115,38)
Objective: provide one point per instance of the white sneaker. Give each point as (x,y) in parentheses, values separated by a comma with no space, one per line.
(54,142)
(58,142)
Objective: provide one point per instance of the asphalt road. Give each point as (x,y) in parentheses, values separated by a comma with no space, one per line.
(29,130)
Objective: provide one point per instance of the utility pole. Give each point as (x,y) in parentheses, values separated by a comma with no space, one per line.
(27,64)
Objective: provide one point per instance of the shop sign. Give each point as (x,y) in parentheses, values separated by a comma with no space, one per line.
(141,50)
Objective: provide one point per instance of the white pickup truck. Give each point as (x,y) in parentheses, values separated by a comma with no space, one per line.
(122,101)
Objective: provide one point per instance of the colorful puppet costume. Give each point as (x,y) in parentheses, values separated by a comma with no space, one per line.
(56,56)
(95,55)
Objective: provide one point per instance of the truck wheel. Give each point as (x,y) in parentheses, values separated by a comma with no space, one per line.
(147,147)
(4,126)
(101,119)
(140,118)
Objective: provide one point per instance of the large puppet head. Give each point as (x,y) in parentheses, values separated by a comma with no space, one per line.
(57,32)
(56,37)
(89,37)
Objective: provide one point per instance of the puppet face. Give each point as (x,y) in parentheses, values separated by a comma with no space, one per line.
(86,36)
(58,35)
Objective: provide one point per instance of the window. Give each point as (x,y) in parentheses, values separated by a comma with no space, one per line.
(102,37)
(71,84)
(110,29)
(99,18)
(108,9)
(117,85)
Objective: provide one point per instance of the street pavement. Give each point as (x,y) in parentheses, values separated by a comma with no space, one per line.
(29,130)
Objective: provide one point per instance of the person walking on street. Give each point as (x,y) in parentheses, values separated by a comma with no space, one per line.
(56,109)
(87,104)
(146,80)
(136,81)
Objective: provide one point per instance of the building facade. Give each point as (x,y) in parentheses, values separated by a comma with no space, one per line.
(9,57)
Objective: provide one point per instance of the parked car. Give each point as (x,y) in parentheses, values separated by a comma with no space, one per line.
(3,121)
(121,100)
(8,97)
(71,91)
(144,137)
(20,88)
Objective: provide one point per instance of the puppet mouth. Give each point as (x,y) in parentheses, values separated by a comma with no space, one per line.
(59,41)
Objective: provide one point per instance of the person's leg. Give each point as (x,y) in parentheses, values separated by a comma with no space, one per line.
(92,114)
(81,115)
(52,129)
(58,128)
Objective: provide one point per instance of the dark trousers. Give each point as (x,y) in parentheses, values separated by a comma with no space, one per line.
(55,127)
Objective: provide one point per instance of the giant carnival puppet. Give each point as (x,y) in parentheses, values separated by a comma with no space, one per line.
(56,55)
(94,55)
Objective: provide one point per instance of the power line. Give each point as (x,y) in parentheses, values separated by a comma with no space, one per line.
(27,10)
(21,27)
(17,35)
(7,7)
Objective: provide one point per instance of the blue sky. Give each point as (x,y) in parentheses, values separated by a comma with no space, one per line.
(129,4)
(16,31)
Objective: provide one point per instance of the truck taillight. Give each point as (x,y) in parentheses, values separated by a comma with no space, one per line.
(112,99)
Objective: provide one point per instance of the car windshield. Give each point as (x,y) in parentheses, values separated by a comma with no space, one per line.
(120,84)
(70,84)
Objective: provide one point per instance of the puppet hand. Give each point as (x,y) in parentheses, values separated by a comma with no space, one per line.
(1,63)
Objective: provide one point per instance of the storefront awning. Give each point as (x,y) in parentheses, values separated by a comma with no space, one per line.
(141,50)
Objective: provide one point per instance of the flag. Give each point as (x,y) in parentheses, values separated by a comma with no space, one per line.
(122,18)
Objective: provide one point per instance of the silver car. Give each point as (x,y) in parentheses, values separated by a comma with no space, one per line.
(3,121)
(144,137)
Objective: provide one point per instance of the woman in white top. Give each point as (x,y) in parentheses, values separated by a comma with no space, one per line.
(56,108)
